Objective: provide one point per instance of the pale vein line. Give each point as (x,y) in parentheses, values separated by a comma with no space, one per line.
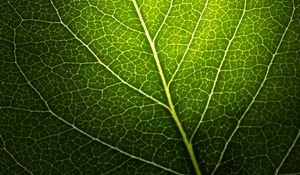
(105,14)
(88,135)
(104,65)
(152,45)
(218,73)
(113,17)
(79,130)
(291,173)
(258,91)
(6,24)
(164,21)
(172,110)
(40,20)
(4,148)
(22,109)
(288,153)
(189,44)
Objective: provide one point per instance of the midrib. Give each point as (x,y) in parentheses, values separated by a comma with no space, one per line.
(171,108)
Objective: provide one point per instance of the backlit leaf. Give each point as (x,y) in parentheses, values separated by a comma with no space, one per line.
(150,87)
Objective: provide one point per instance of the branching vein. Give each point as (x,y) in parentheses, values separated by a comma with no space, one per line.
(164,21)
(219,71)
(189,44)
(288,153)
(257,92)
(104,65)
(12,156)
(188,145)
(81,131)
(90,136)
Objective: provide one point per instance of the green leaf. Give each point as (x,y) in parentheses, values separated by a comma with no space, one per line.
(150,87)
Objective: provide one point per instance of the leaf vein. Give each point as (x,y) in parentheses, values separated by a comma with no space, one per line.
(257,92)
(104,65)
(78,129)
(172,110)
(22,109)
(11,155)
(288,153)
(219,71)
(189,44)
(113,17)
(164,21)
(90,136)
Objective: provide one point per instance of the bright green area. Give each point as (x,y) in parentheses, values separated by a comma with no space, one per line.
(150,87)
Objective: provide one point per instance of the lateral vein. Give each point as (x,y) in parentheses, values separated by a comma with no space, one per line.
(218,73)
(4,148)
(172,110)
(164,21)
(257,92)
(189,44)
(288,153)
(104,65)
(90,136)
(23,109)
(78,129)
(113,17)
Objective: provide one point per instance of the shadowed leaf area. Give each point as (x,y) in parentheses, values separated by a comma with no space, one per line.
(150,87)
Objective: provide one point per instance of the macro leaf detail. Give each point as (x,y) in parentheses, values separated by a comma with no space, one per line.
(150,87)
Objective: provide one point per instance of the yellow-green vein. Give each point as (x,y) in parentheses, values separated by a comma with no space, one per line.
(188,144)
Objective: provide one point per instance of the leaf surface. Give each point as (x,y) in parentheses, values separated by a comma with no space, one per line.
(149,87)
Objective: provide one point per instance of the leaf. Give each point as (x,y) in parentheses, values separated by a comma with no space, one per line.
(149,87)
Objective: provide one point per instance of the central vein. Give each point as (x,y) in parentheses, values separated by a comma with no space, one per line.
(186,141)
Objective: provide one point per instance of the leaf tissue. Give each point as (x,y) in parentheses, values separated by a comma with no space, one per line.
(150,87)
